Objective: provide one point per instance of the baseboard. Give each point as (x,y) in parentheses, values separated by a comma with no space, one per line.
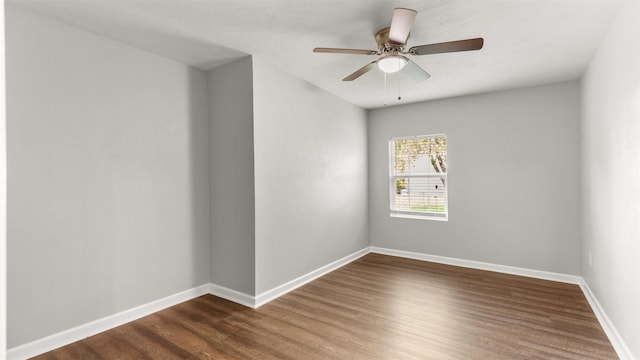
(232,295)
(614,337)
(537,274)
(269,295)
(280,290)
(66,337)
(77,333)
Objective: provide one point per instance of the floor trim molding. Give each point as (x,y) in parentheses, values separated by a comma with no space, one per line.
(537,274)
(280,290)
(618,343)
(69,336)
(272,294)
(232,295)
(80,332)
(614,337)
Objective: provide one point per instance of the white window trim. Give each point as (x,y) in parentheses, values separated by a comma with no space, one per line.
(421,215)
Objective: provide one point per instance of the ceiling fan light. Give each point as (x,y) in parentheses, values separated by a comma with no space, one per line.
(392,63)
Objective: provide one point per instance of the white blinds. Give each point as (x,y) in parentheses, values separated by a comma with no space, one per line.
(418,176)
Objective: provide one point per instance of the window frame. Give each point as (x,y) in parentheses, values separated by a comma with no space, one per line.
(423,215)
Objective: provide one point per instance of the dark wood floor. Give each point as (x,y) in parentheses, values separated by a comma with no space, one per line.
(378,307)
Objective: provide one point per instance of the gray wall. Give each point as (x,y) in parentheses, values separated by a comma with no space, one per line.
(3,197)
(119,189)
(513,178)
(310,177)
(610,140)
(231,176)
(108,184)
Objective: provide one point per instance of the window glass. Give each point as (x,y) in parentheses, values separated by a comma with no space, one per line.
(418,176)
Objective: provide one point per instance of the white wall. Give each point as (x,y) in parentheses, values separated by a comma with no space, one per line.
(232,176)
(310,177)
(108,184)
(513,178)
(610,146)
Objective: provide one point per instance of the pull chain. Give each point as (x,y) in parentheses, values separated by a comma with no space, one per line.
(386,97)
(385,89)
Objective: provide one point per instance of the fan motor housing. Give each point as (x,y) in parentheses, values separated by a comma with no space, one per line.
(384,45)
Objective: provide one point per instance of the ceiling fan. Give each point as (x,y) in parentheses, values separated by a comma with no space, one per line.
(391,44)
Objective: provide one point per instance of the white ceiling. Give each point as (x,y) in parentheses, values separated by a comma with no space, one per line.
(527,42)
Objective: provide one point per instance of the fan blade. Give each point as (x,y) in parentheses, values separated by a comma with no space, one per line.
(401,24)
(345,51)
(415,71)
(446,47)
(361,71)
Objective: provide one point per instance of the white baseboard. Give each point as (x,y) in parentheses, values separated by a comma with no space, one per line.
(269,295)
(66,337)
(77,333)
(537,274)
(614,337)
(232,295)
(280,290)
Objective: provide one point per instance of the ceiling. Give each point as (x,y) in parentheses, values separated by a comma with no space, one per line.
(527,42)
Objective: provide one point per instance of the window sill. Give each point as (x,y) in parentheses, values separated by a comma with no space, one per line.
(420,216)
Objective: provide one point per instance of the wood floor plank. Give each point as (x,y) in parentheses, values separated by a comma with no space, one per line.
(377,307)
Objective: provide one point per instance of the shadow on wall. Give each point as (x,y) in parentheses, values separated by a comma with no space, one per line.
(198,116)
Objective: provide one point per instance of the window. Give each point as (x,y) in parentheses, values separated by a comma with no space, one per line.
(418,177)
